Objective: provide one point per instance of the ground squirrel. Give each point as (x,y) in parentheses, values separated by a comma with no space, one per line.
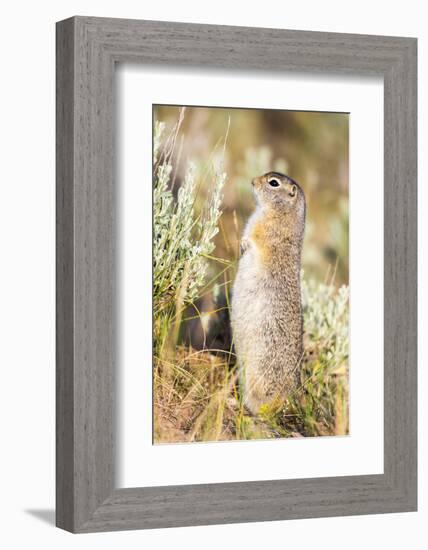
(267,320)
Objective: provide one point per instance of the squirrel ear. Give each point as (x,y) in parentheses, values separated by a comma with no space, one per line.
(293,190)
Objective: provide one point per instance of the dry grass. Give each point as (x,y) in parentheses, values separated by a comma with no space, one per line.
(197,397)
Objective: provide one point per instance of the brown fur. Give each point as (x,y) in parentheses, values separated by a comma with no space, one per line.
(266,302)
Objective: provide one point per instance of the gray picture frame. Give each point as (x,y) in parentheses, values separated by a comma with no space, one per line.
(87,51)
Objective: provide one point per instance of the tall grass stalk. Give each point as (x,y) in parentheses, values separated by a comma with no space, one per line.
(182,239)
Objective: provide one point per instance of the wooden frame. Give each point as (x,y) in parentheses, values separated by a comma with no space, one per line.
(87,50)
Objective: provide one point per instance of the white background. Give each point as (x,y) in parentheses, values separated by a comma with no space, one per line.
(362,451)
(27,274)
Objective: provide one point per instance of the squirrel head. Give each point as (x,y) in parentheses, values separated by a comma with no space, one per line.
(278,194)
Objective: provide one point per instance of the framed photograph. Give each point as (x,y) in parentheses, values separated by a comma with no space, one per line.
(236,274)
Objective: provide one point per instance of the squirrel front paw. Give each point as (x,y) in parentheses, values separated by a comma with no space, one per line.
(244,245)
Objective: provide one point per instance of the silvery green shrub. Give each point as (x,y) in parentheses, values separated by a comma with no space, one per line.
(182,238)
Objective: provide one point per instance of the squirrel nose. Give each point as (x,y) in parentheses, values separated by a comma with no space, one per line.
(253,182)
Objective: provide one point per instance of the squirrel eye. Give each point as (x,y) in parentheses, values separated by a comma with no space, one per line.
(274,183)
(293,191)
